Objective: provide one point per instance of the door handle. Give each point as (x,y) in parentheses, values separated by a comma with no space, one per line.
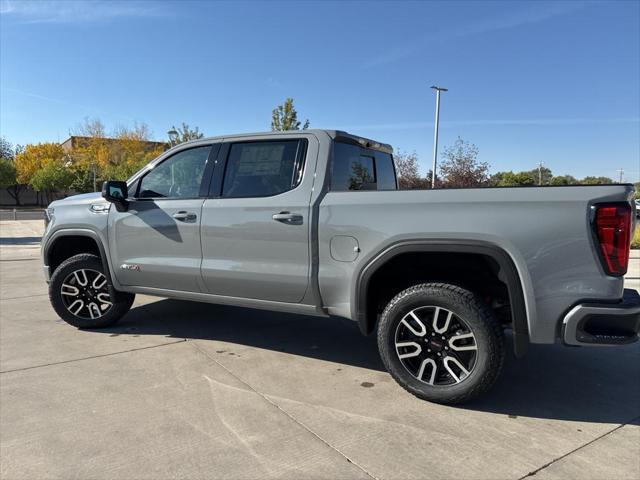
(184,216)
(287,217)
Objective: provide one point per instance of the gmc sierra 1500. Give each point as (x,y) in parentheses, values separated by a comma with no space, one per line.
(312,222)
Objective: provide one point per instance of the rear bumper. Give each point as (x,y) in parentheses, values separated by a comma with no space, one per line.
(598,324)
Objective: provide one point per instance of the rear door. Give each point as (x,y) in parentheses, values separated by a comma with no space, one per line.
(255,228)
(156,242)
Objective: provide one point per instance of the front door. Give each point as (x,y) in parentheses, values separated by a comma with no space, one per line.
(255,231)
(156,242)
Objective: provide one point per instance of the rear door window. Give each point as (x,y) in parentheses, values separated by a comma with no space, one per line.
(357,168)
(262,169)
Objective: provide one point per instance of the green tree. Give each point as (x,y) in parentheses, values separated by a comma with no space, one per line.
(543,176)
(564,180)
(183,134)
(595,180)
(285,117)
(8,179)
(8,175)
(52,177)
(461,167)
(637,194)
(511,179)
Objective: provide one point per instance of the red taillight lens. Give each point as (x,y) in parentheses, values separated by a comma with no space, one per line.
(612,225)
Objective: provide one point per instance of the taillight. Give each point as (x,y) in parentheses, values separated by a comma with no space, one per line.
(612,225)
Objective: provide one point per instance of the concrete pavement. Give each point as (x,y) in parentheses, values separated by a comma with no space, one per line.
(186,390)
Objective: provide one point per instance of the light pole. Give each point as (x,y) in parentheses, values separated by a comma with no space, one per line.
(435,134)
(540,165)
(173,137)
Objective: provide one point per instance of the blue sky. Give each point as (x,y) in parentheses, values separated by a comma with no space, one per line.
(528,81)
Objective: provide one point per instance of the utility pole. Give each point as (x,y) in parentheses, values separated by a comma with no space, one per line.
(621,172)
(540,165)
(435,134)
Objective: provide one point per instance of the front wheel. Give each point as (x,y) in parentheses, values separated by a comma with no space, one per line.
(441,343)
(81,295)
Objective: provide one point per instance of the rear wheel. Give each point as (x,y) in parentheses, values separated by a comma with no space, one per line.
(441,343)
(81,295)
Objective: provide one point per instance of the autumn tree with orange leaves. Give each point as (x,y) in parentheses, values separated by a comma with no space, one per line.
(45,168)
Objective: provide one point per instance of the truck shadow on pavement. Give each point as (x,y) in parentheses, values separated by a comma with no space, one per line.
(599,385)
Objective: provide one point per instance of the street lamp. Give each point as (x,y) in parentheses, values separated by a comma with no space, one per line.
(435,134)
(173,137)
(540,165)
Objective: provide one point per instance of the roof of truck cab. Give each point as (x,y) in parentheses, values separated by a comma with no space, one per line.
(339,135)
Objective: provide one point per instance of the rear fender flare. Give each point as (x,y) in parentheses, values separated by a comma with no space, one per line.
(508,273)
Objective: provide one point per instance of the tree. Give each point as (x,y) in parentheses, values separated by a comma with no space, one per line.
(285,117)
(6,149)
(45,167)
(118,157)
(51,177)
(511,179)
(407,171)
(461,168)
(543,176)
(595,180)
(564,180)
(9,181)
(637,194)
(35,157)
(428,182)
(531,177)
(183,134)
(89,154)
(8,178)
(130,150)
(7,173)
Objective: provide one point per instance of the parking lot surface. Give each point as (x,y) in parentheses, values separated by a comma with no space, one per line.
(187,390)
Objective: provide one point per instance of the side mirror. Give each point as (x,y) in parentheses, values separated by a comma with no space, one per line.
(117,193)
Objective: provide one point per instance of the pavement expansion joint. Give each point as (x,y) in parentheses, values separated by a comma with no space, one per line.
(618,427)
(91,357)
(284,412)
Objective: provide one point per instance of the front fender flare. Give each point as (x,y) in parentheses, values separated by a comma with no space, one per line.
(78,232)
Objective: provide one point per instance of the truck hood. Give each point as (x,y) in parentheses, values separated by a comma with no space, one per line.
(84,198)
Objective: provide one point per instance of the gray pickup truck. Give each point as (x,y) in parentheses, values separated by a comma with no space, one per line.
(312,222)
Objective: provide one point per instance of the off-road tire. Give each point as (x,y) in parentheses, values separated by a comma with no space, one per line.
(480,320)
(120,301)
